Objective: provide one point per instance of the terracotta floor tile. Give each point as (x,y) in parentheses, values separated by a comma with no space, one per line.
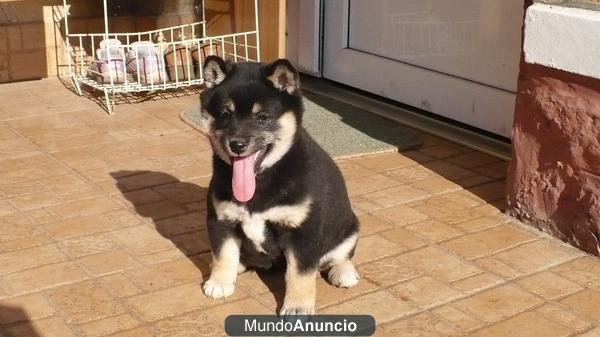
(174,301)
(141,240)
(494,170)
(141,197)
(473,181)
(107,325)
(424,292)
(182,192)
(424,324)
(27,242)
(389,271)
(592,333)
(549,285)
(537,255)
(261,282)
(181,224)
(528,324)
(41,216)
(6,208)
(370,224)
(562,316)
(49,327)
(383,162)
(481,223)
(84,302)
(43,277)
(472,159)
(401,215)
(12,190)
(160,210)
(169,274)
(369,184)
(487,242)
(108,262)
(377,304)
(15,227)
(436,185)
(434,230)
(498,267)
(460,320)
(30,258)
(477,283)
(91,224)
(410,174)
(362,205)
(395,196)
(88,245)
(437,263)
(161,256)
(25,308)
(586,303)
(374,247)
(449,171)
(498,303)
(351,170)
(404,238)
(36,200)
(491,191)
(208,322)
(119,285)
(85,207)
(137,332)
(584,271)
(192,243)
(143,180)
(329,295)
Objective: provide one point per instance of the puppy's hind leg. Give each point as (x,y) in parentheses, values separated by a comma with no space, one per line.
(342,272)
(224,270)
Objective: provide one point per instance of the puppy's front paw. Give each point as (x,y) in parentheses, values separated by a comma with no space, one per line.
(215,289)
(343,275)
(297,310)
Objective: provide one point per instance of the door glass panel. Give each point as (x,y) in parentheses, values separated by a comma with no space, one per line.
(471,39)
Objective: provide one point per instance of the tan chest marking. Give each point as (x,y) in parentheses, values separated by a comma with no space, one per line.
(253,224)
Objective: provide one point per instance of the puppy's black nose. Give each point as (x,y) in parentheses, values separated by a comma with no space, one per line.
(238,146)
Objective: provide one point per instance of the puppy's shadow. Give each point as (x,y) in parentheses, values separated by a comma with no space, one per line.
(176,208)
(178,212)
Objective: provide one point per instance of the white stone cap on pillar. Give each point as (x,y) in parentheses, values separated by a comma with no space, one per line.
(563,38)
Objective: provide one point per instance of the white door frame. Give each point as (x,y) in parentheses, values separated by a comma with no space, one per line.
(478,105)
(303,35)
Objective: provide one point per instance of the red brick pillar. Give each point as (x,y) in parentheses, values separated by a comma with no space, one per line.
(554,175)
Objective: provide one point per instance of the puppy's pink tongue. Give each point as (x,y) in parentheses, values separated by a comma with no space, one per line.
(243,182)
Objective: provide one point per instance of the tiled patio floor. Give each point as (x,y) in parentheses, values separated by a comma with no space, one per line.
(102,233)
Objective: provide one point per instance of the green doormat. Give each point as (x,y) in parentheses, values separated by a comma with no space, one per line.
(344,130)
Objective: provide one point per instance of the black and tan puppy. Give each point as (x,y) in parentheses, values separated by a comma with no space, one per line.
(275,195)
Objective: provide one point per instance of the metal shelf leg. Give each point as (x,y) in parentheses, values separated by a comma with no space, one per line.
(76,85)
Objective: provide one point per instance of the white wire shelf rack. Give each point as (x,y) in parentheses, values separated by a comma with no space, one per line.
(160,59)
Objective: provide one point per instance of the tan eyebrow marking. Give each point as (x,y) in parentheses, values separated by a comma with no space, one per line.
(230,105)
(256,108)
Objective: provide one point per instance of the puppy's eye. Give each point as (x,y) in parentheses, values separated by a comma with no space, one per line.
(226,114)
(262,116)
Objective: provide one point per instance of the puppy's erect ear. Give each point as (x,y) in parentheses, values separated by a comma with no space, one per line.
(283,76)
(214,70)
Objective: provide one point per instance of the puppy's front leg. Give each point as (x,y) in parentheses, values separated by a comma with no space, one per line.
(224,270)
(300,288)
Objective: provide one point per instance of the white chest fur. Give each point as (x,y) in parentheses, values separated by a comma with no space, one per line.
(253,224)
